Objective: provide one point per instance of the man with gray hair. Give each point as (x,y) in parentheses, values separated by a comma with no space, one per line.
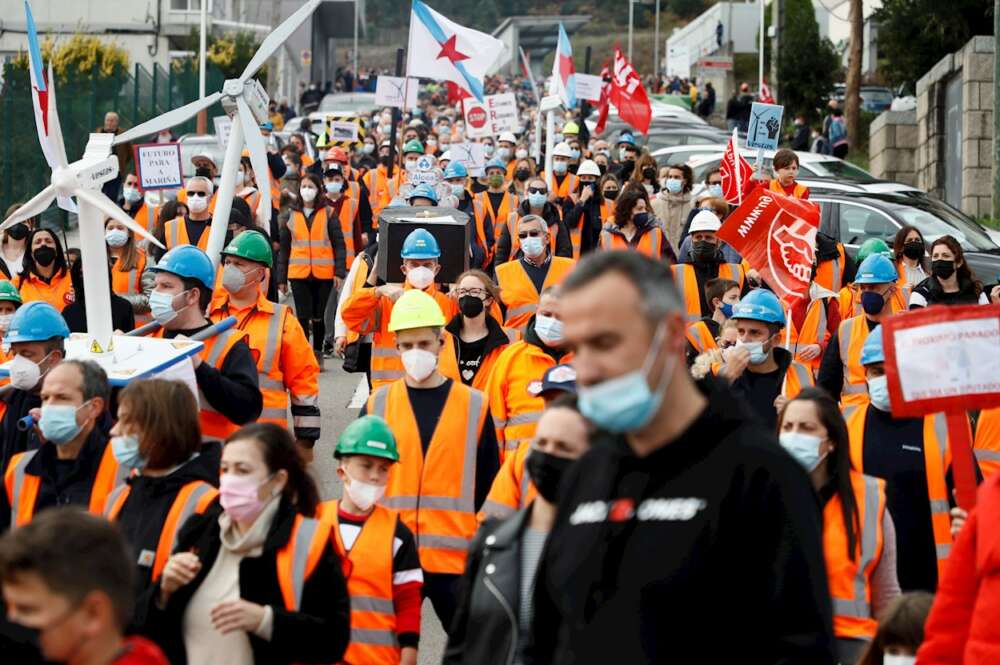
(686,529)
(523,280)
(73,463)
(193,229)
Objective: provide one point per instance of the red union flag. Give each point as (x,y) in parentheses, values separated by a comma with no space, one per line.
(736,173)
(776,234)
(628,95)
(604,104)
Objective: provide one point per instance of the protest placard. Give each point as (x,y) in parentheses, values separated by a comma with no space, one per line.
(158,165)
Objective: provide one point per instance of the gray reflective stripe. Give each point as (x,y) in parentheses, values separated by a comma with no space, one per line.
(384,352)
(499,424)
(943,550)
(940,506)
(523,309)
(274,413)
(264,382)
(512,444)
(860,608)
(110,501)
(821,328)
(387,374)
(855,388)
(19,473)
(187,509)
(372,604)
(984,455)
(525,484)
(300,556)
(313,261)
(174,229)
(130,288)
(606,241)
(306,421)
(497,509)
(379,638)
(443,542)
(379,399)
(468,494)
(219,347)
(305,400)
(846,331)
(524,418)
(655,242)
(941,432)
(849,411)
(511,335)
(399,502)
(274,329)
(423,501)
(802,374)
(836,274)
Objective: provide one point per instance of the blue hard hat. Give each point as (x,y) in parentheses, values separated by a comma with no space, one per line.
(760,305)
(268,125)
(36,321)
(876,269)
(455,170)
(626,137)
(872,352)
(189,262)
(424,191)
(495,163)
(420,244)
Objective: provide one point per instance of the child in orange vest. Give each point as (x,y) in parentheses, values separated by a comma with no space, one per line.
(381,562)
(786,169)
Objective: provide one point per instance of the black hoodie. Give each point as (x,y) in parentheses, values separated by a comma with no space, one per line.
(495,338)
(709,550)
(145,510)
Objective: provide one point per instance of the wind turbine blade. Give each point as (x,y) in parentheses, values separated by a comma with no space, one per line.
(278,37)
(168,119)
(258,154)
(55,129)
(35,206)
(106,206)
(67,204)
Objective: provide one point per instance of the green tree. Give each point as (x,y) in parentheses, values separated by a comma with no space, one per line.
(806,63)
(914,34)
(230,53)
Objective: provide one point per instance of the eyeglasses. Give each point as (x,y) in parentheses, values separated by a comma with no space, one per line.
(529,234)
(537,190)
(479,293)
(202,194)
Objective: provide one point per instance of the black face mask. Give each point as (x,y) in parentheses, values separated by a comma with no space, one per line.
(649,173)
(913,249)
(384,160)
(203,171)
(547,472)
(44,256)
(522,174)
(611,194)
(703,251)
(18,231)
(942,269)
(640,219)
(602,168)
(470,306)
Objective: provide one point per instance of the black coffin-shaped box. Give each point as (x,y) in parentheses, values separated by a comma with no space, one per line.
(450,227)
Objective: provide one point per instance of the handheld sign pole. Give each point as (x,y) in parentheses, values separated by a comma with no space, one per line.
(963,465)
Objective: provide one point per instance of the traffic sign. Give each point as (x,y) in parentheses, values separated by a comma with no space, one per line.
(765,126)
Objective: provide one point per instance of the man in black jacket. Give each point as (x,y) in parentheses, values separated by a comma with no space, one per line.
(686,529)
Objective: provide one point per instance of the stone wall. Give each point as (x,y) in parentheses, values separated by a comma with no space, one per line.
(892,147)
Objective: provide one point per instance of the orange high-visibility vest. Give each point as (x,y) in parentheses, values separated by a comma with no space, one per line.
(686,280)
(569,185)
(479,221)
(512,488)
(814,331)
(380,189)
(849,301)
(193,498)
(312,251)
(58,292)
(147,216)
(797,377)
(489,361)
(22,487)
(298,558)
(348,218)
(435,494)
(987,442)
(175,233)
(508,204)
(800,191)
(852,334)
(182,197)
(937,460)
(849,579)
(700,337)
(607,212)
(650,243)
(129,283)
(369,584)
(518,293)
(830,273)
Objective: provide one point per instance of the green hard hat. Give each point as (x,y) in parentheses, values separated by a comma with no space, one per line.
(252,246)
(413,145)
(873,246)
(368,435)
(9,292)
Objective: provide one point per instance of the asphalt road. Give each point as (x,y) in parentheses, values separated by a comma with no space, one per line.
(336,388)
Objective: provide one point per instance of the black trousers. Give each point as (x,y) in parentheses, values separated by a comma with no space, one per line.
(442,589)
(310,302)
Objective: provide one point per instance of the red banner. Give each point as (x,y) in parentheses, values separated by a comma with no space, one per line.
(628,95)
(736,173)
(776,234)
(603,105)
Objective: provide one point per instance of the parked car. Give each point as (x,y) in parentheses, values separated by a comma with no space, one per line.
(683,154)
(811,166)
(874,98)
(354,103)
(854,218)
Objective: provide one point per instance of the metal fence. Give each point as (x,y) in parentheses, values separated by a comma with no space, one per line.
(136,97)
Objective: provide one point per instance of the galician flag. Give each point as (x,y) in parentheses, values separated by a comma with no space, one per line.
(445,51)
(563,81)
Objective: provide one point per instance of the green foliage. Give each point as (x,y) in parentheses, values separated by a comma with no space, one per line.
(806,63)
(82,57)
(230,53)
(914,34)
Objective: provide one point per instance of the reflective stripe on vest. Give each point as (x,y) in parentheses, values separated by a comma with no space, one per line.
(852,335)
(270,378)
(175,233)
(802,379)
(700,337)
(311,252)
(518,292)
(214,425)
(297,560)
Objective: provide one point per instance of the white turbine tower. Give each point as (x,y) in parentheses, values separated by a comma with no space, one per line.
(83,179)
(244,97)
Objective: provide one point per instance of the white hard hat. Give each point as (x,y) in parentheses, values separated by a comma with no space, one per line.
(588,167)
(445,156)
(562,149)
(508,137)
(705,220)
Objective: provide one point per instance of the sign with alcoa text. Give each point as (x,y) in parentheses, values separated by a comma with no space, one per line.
(943,359)
(765,126)
(159,166)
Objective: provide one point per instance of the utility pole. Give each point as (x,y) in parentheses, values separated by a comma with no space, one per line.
(760,50)
(631,17)
(656,43)
(202,123)
(356,19)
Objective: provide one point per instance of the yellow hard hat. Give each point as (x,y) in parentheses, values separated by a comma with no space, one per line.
(415,309)
(245,154)
(571,128)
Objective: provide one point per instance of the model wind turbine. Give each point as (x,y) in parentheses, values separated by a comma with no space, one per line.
(244,97)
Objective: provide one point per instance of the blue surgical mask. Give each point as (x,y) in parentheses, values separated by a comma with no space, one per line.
(674,186)
(559,167)
(503,153)
(715,191)
(872,302)
(557,137)
(161,305)
(548,329)
(803,447)
(756,349)
(626,403)
(878,393)
(368,148)
(575,153)
(458,190)
(533,247)
(126,450)
(116,237)
(536,200)
(334,187)
(727,310)
(58,423)
(131,194)
(488,149)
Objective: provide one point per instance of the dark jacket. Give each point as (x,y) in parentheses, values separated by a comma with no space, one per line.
(934,294)
(564,247)
(318,633)
(650,557)
(587,218)
(496,337)
(486,628)
(19,403)
(150,499)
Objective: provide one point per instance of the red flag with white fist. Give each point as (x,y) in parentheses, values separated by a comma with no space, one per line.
(628,95)
(736,173)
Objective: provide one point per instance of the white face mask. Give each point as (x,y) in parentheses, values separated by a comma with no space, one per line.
(520,153)
(197,204)
(549,329)
(25,374)
(420,277)
(5,320)
(116,237)
(419,364)
(363,495)
(308,194)
(888,659)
